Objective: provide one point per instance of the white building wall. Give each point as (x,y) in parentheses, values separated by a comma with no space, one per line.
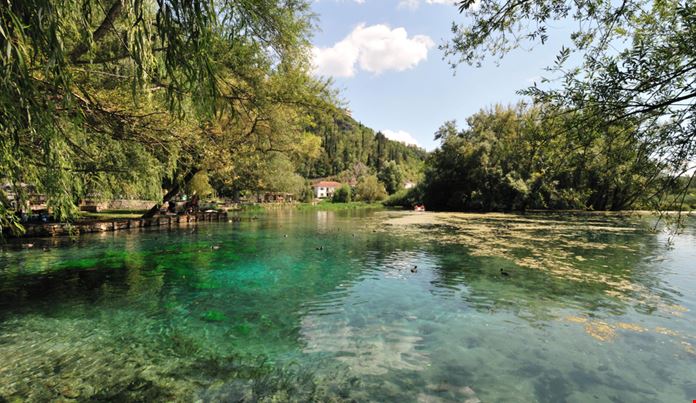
(323,192)
(320,192)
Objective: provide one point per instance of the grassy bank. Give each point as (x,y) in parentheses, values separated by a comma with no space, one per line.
(329,206)
(320,206)
(108,215)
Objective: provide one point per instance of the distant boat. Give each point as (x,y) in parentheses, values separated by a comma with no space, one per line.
(419,207)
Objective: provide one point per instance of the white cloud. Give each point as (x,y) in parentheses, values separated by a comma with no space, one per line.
(338,60)
(340,1)
(375,49)
(414,4)
(400,135)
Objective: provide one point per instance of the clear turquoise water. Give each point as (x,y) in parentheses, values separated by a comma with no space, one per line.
(595,309)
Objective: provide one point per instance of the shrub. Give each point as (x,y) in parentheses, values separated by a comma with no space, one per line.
(342,195)
(370,189)
(406,198)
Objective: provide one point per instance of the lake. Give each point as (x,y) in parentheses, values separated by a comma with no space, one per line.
(356,306)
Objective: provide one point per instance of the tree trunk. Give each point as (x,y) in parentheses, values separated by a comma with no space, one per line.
(172,192)
(101,31)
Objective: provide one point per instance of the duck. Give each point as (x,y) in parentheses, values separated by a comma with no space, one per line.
(285,236)
(414,269)
(320,247)
(504,273)
(215,247)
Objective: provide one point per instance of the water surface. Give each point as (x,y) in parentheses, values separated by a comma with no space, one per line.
(326,306)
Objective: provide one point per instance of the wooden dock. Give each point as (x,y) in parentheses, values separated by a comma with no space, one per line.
(86,227)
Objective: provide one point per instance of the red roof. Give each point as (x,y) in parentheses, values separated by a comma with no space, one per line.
(327,184)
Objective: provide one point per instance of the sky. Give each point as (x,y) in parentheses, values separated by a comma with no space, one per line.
(383,56)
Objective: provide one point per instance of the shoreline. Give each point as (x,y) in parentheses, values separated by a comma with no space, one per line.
(51,230)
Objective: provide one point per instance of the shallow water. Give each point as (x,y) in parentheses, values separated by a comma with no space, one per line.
(594,309)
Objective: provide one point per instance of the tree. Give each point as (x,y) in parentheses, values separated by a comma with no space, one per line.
(514,158)
(638,64)
(9,224)
(370,189)
(347,143)
(111,97)
(342,194)
(392,176)
(200,185)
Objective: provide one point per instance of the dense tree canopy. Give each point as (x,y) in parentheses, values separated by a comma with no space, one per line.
(119,97)
(346,143)
(392,176)
(517,158)
(637,63)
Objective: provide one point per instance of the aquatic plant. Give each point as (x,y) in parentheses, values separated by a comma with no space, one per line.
(214,315)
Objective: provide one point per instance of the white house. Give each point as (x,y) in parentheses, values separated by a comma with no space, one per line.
(325,189)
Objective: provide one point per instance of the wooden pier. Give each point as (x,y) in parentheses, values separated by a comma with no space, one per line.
(86,227)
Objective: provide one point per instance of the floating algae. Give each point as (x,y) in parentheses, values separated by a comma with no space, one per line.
(557,245)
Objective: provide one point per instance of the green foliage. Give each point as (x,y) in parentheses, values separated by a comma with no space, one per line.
(307,195)
(342,194)
(370,189)
(406,198)
(9,223)
(331,206)
(199,185)
(392,176)
(635,69)
(112,98)
(347,143)
(517,159)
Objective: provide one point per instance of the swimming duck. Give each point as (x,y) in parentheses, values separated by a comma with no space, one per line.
(504,273)
(320,247)
(414,269)
(215,247)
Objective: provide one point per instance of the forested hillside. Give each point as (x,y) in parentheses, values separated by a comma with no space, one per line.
(346,142)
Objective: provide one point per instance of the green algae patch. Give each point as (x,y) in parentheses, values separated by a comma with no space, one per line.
(595,250)
(86,263)
(213,315)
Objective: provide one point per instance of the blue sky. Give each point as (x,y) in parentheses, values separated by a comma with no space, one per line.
(384,58)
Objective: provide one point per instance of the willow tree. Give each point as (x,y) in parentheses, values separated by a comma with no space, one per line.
(625,61)
(113,96)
